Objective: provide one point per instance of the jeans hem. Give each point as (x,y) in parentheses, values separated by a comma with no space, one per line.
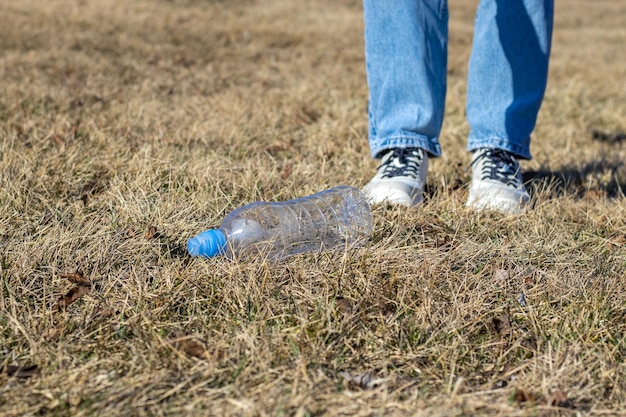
(377,146)
(520,151)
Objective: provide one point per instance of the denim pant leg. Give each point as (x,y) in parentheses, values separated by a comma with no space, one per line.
(406,63)
(508,72)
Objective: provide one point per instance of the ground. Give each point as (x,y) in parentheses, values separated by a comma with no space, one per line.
(128,127)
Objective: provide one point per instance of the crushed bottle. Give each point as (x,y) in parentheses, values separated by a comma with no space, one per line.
(337,217)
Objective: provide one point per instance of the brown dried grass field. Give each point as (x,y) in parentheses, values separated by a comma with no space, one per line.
(127,127)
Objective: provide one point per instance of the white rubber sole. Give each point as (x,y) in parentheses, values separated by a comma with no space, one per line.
(497,197)
(394,191)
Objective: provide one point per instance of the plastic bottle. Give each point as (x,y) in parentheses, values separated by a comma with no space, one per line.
(339,216)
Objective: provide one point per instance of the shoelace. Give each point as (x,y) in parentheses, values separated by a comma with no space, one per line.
(404,162)
(498,165)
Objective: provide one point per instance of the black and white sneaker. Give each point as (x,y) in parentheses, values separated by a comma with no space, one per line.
(496,182)
(400,178)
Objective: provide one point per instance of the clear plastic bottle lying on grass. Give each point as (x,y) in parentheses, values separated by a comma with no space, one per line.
(337,217)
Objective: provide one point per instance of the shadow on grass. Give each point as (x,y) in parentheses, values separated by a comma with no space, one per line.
(604,177)
(600,178)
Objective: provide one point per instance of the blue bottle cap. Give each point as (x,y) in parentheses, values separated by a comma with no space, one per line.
(207,244)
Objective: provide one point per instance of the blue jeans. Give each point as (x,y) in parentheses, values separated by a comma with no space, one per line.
(406,62)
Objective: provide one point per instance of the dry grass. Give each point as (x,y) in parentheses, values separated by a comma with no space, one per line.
(127,127)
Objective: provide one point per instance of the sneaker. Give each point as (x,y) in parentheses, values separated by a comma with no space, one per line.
(496,182)
(400,178)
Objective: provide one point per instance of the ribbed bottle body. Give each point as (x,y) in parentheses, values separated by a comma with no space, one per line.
(337,217)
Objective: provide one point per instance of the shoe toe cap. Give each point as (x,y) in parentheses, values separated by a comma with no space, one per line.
(503,199)
(396,193)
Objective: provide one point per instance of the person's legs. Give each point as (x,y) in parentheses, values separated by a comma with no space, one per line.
(508,74)
(406,61)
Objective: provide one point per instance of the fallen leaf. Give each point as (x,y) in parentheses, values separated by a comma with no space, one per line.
(22,371)
(522,396)
(501,275)
(151,233)
(344,306)
(52,334)
(557,399)
(75,277)
(387,310)
(502,324)
(191,347)
(73,295)
(184,61)
(105,313)
(364,381)
(305,115)
(595,194)
(286,172)
(90,187)
(58,140)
